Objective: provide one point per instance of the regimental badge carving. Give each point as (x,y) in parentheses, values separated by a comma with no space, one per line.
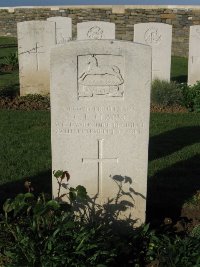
(95,33)
(152,36)
(97,78)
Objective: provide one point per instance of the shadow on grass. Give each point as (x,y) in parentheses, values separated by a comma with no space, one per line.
(40,183)
(10,90)
(169,188)
(172,141)
(180,79)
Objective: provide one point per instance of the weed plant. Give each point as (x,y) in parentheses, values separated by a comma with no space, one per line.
(166,93)
(191,96)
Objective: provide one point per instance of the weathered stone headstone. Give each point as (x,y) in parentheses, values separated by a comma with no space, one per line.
(35,39)
(63,29)
(194,55)
(94,30)
(100,99)
(159,37)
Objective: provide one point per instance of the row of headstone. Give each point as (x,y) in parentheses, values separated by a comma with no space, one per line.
(36,38)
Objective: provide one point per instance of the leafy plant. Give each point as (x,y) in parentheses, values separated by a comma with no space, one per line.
(191,96)
(166,93)
(176,251)
(12,60)
(43,232)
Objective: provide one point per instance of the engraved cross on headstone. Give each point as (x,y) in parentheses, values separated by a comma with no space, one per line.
(36,51)
(100,160)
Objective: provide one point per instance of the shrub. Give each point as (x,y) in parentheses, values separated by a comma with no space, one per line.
(191,96)
(166,93)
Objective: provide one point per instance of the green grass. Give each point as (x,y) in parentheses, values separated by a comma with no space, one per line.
(179,69)
(8,45)
(174,162)
(25,150)
(174,157)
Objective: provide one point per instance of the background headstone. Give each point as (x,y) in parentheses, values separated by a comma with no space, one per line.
(194,55)
(100,102)
(63,29)
(159,37)
(35,39)
(95,30)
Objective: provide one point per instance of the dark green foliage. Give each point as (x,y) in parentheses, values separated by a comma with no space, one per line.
(11,60)
(37,231)
(191,96)
(166,93)
(175,251)
(42,232)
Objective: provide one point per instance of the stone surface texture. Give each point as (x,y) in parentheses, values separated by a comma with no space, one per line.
(95,30)
(100,104)
(63,29)
(194,55)
(159,37)
(35,39)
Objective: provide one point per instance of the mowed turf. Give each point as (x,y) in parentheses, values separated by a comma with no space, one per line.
(25,150)
(174,157)
(8,45)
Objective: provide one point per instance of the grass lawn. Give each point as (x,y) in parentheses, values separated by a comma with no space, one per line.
(8,45)
(179,69)
(174,157)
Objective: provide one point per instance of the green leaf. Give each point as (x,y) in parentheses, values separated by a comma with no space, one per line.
(72,195)
(7,206)
(58,173)
(81,191)
(53,204)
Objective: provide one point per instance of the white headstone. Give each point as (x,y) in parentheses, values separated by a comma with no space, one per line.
(63,29)
(95,30)
(100,101)
(35,39)
(159,37)
(194,55)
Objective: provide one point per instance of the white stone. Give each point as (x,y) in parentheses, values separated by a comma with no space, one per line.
(95,30)
(35,39)
(63,29)
(194,55)
(100,102)
(159,37)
